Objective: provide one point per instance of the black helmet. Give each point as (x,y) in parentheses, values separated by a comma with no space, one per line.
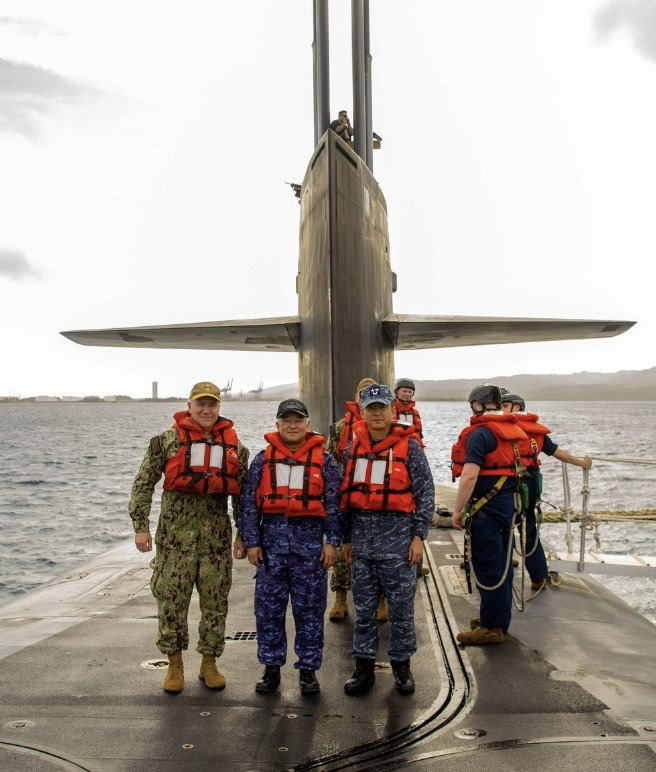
(486,393)
(514,399)
(405,383)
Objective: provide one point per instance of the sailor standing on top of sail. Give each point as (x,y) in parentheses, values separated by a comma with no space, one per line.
(289,501)
(388,498)
(486,459)
(203,463)
(538,442)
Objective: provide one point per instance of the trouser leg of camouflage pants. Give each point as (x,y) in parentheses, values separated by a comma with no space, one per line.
(175,573)
(309,590)
(341,575)
(365,597)
(304,579)
(398,581)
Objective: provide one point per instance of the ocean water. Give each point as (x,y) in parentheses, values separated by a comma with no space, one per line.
(66,471)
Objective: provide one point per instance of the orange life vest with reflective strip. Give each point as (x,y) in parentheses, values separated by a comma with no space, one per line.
(292,481)
(407,413)
(502,461)
(352,416)
(376,477)
(530,449)
(202,465)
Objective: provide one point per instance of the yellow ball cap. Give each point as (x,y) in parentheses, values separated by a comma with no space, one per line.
(205,389)
(363,383)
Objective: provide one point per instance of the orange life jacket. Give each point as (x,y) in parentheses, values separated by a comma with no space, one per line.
(504,459)
(202,465)
(292,481)
(352,416)
(376,478)
(407,413)
(530,449)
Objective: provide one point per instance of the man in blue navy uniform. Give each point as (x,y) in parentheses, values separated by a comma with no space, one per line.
(289,502)
(388,499)
(538,442)
(486,458)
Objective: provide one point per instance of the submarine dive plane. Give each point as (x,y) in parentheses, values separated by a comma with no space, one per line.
(345,325)
(573,687)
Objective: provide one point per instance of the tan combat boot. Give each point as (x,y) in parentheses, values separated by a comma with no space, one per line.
(474,622)
(381,611)
(481,635)
(214,679)
(339,609)
(174,681)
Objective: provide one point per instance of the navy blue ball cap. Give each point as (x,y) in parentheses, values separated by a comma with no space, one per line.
(292,406)
(377,392)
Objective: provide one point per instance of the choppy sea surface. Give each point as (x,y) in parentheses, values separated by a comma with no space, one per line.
(66,471)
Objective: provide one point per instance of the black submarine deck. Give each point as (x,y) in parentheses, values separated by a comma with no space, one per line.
(573,687)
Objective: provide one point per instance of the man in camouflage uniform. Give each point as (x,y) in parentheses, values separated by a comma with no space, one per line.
(383,541)
(340,581)
(193,540)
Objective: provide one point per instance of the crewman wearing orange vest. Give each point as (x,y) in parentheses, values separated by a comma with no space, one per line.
(203,463)
(538,442)
(388,499)
(289,503)
(341,434)
(486,458)
(405,411)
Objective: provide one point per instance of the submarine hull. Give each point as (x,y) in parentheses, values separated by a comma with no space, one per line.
(344,281)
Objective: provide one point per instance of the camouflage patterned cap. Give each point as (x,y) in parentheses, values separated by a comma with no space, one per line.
(376,393)
(364,383)
(205,389)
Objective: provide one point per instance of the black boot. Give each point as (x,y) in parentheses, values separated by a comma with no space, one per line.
(269,681)
(403,680)
(308,682)
(363,677)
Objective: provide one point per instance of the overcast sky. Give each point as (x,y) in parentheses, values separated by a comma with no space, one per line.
(144,148)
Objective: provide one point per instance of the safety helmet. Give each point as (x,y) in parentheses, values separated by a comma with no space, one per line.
(514,399)
(486,393)
(404,383)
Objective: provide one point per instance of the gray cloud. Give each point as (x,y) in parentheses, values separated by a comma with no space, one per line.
(29,93)
(636,17)
(14,265)
(26,26)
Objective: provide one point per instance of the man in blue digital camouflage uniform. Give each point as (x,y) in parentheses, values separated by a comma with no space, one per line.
(388,499)
(289,502)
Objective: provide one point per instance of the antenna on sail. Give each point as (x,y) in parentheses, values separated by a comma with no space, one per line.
(321,70)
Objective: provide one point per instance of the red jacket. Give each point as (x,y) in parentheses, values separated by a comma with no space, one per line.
(376,477)
(501,461)
(531,448)
(202,465)
(292,481)
(352,416)
(407,413)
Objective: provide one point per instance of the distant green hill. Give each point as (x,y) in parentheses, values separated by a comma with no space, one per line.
(622,385)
